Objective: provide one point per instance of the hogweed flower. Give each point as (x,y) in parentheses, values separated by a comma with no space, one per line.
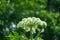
(29,22)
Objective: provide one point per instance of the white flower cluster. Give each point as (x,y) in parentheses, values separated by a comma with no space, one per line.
(29,22)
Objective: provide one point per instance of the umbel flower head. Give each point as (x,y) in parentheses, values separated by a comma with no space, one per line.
(29,22)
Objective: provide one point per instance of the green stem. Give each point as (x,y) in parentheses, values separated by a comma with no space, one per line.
(37,35)
(31,36)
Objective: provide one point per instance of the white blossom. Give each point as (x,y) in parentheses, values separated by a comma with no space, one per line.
(29,22)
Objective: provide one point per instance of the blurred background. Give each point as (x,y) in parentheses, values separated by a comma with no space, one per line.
(12,11)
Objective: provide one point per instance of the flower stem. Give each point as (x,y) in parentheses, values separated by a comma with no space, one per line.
(37,35)
(31,36)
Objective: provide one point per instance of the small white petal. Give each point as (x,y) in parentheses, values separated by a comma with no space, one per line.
(42,30)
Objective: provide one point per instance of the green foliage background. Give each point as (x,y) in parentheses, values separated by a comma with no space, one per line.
(15,10)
